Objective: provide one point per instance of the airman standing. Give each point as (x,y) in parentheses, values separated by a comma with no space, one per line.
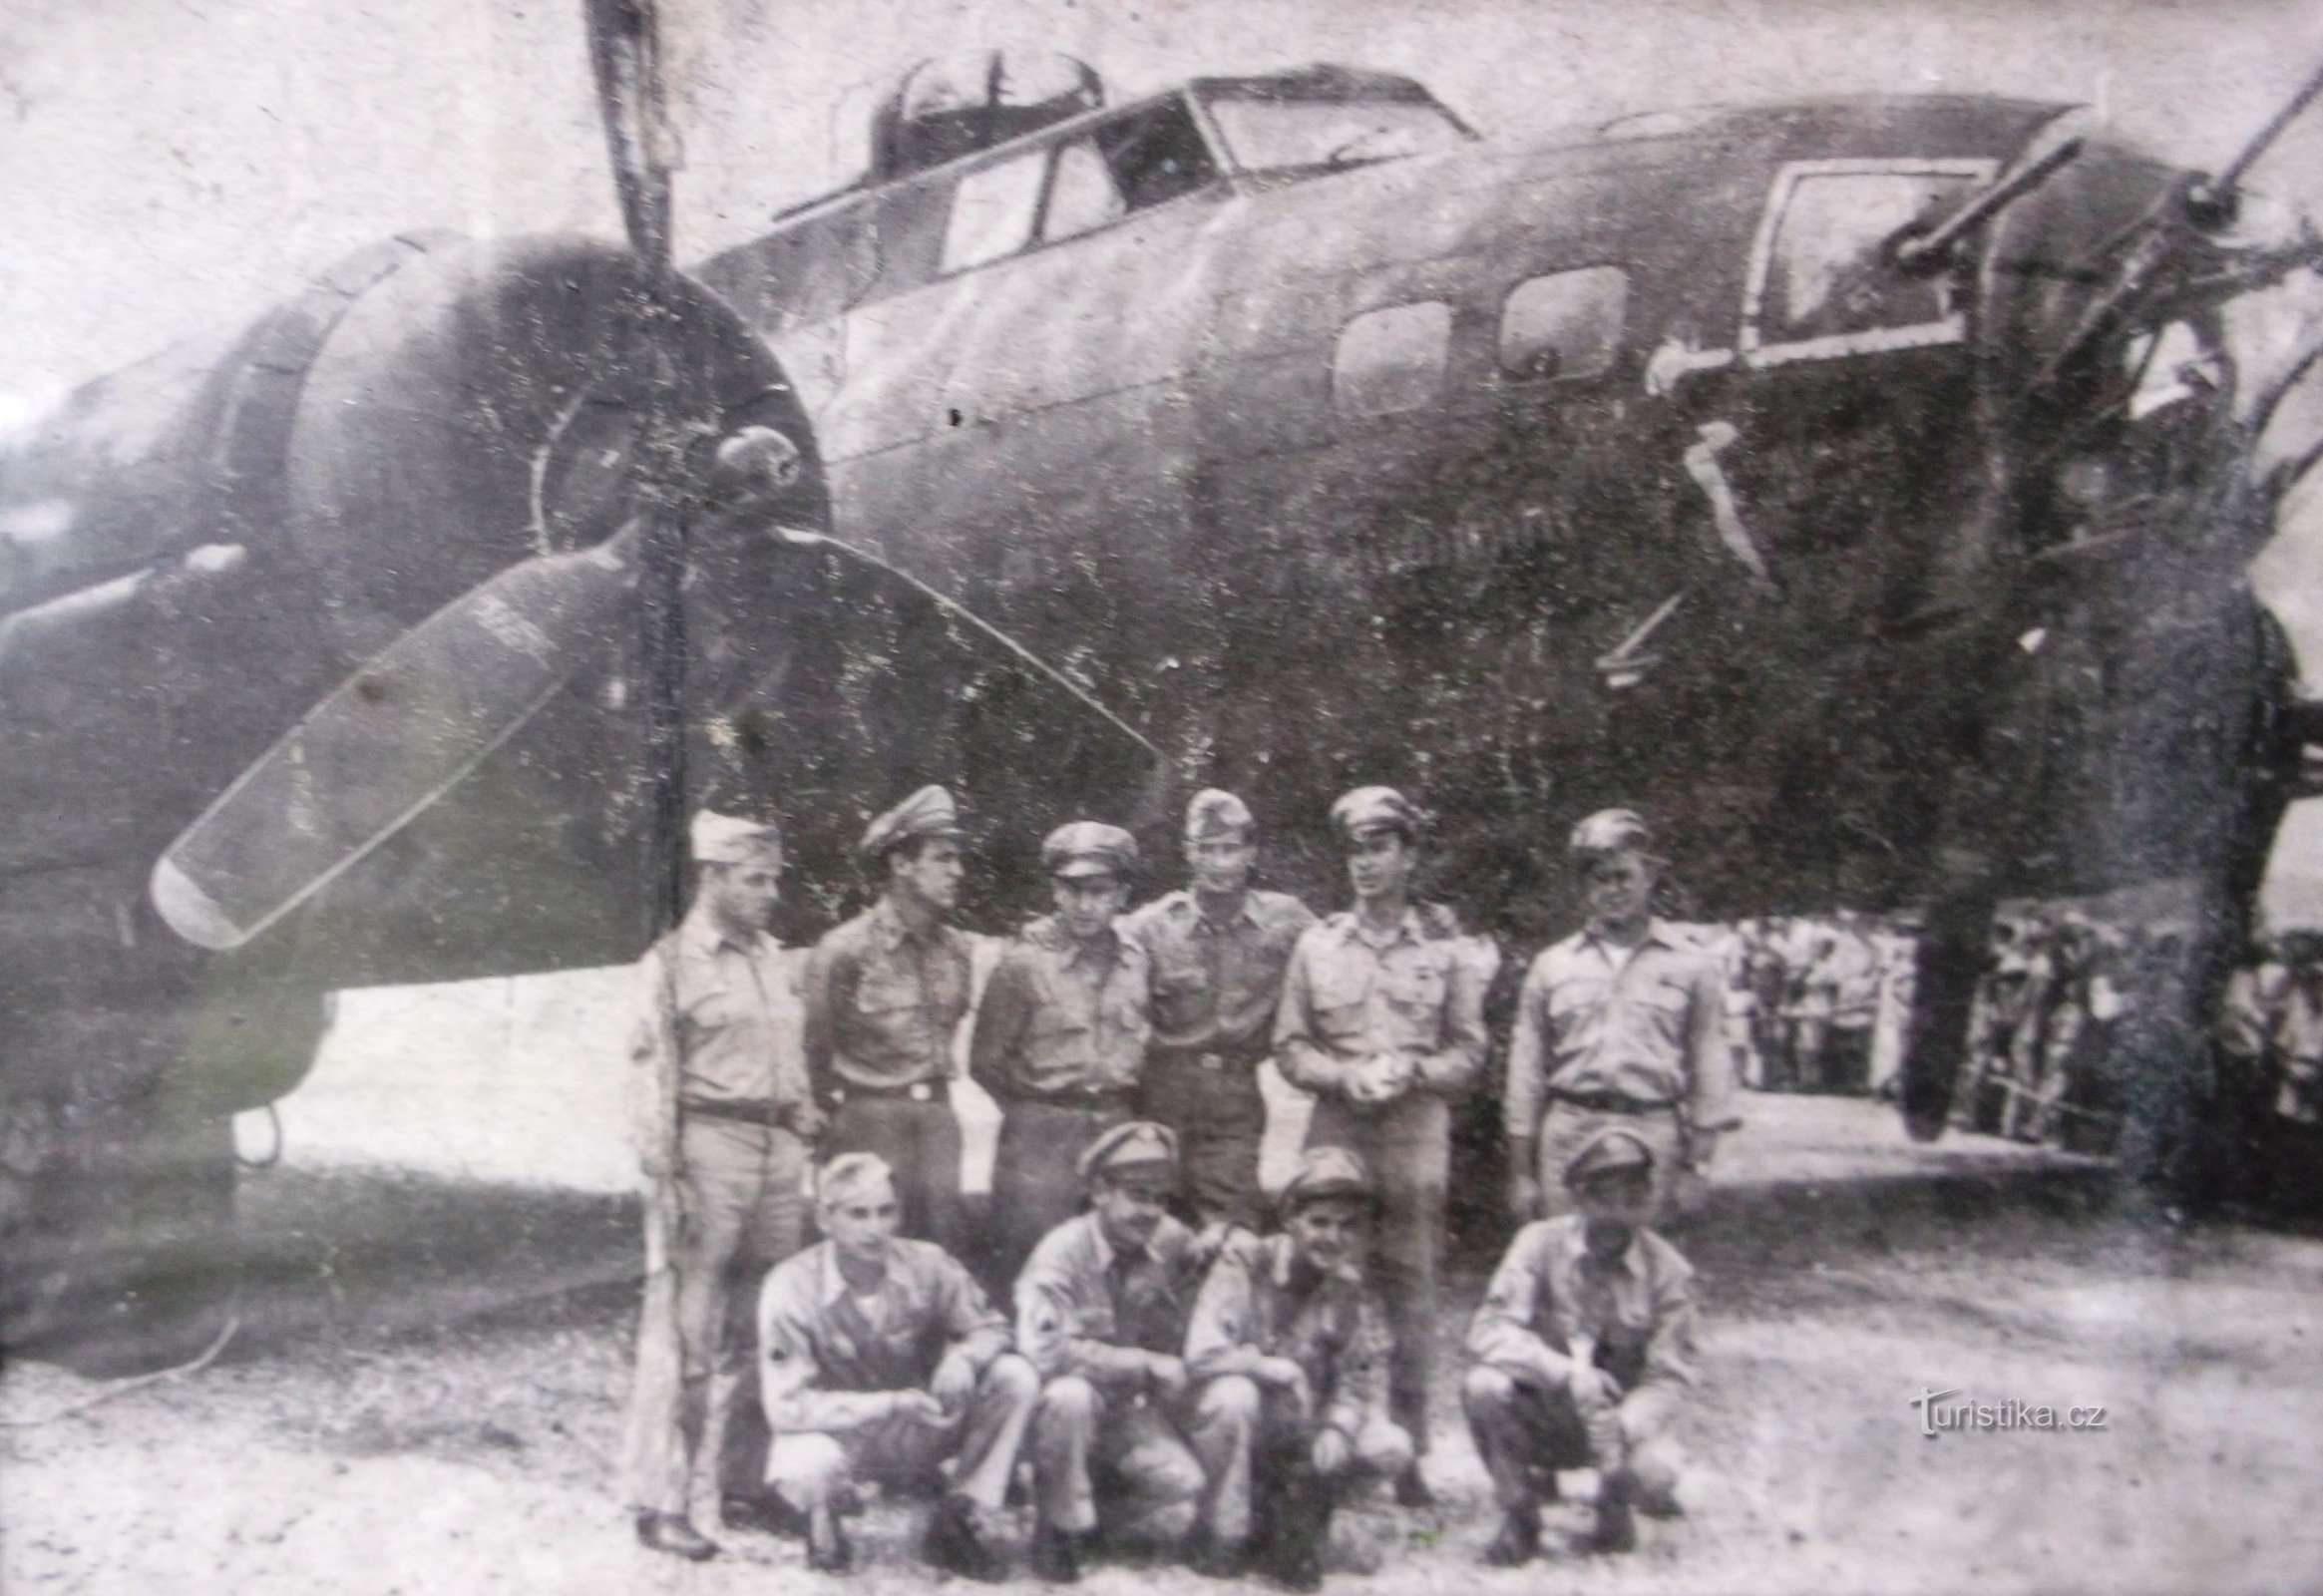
(724,1121)
(1102,1312)
(1620,1023)
(1218,950)
(1583,1353)
(1384,1024)
(882,1358)
(1061,1035)
(885,996)
(1289,1350)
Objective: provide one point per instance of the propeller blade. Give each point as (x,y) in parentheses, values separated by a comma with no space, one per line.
(624,52)
(396,737)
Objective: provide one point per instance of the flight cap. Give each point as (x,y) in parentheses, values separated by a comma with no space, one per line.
(930,812)
(1089,848)
(1217,815)
(1368,809)
(1328,1173)
(1139,1145)
(853,1175)
(1612,1152)
(717,839)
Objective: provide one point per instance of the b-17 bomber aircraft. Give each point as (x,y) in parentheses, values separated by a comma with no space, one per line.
(1863,486)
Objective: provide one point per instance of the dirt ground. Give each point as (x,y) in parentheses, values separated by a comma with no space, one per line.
(424,1399)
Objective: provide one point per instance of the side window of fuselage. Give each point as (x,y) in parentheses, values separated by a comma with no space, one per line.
(1564,325)
(1823,281)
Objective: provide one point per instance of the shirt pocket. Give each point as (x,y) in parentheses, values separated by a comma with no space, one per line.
(1417,989)
(714,1010)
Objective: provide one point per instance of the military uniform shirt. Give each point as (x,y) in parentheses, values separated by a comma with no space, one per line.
(827,1353)
(1259,1296)
(1638,1308)
(1084,1309)
(1060,1017)
(1648,1026)
(882,1004)
(1350,993)
(1216,988)
(732,1012)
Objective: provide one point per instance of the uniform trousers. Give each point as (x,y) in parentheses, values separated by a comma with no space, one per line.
(733,1211)
(1092,1449)
(1249,1439)
(1527,1429)
(1407,1144)
(983,1438)
(1564,1130)
(1036,1185)
(1220,1118)
(920,1142)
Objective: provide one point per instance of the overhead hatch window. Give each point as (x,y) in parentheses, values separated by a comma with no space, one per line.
(1393,359)
(994,209)
(1822,282)
(1564,325)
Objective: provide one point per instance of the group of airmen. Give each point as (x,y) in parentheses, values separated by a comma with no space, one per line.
(1189,1363)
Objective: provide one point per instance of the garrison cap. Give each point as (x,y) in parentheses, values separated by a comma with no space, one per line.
(853,1175)
(1216,814)
(1610,831)
(930,812)
(1089,848)
(1139,1144)
(1328,1173)
(717,839)
(1612,1152)
(1375,808)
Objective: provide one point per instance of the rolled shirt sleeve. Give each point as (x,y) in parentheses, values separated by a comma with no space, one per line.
(1304,1061)
(978,1331)
(1528,1056)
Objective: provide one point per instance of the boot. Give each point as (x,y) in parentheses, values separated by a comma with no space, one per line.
(955,1542)
(1617,1524)
(1055,1555)
(828,1549)
(674,1535)
(1519,1538)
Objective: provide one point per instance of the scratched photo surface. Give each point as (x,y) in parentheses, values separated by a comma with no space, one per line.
(447,446)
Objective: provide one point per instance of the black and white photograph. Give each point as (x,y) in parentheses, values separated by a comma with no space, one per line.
(1384,796)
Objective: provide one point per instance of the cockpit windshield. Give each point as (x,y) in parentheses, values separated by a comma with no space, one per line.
(1280,135)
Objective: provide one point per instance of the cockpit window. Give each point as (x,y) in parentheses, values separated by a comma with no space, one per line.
(1823,281)
(1157,155)
(1083,195)
(993,210)
(1267,134)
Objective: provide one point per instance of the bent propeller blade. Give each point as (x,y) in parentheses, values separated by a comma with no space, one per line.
(391,740)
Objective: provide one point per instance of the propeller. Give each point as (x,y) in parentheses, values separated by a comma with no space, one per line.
(389,741)
(418,717)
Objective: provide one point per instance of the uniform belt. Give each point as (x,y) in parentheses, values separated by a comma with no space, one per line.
(918,1091)
(1609,1103)
(750,1111)
(1186,1059)
(1092,1097)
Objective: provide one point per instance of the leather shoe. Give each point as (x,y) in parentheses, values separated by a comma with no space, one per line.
(764,1515)
(672,1533)
(1520,1539)
(1055,1555)
(955,1542)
